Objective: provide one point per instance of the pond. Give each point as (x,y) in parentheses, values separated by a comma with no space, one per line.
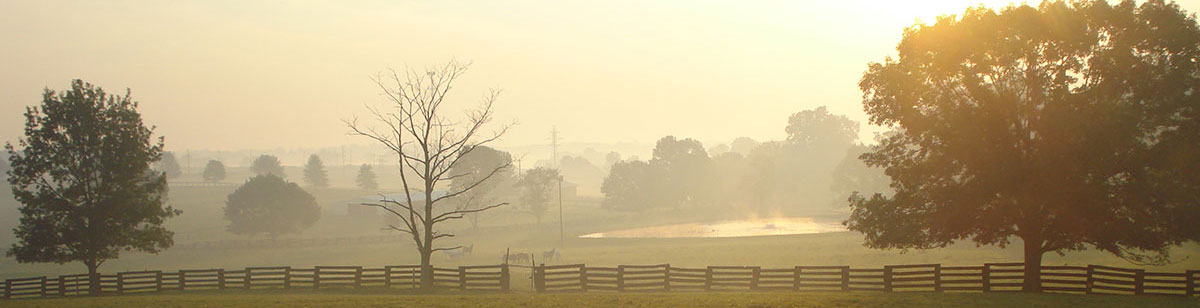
(728,228)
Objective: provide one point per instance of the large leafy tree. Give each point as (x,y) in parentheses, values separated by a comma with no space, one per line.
(267,204)
(83,176)
(1069,126)
(214,171)
(314,172)
(170,165)
(472,168)
(537,187)
(267,164)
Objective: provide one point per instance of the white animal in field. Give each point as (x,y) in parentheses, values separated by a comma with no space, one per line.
(551,255)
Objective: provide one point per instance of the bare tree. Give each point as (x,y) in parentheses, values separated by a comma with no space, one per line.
(428,146)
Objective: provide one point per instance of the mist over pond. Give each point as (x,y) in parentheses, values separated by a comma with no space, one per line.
(727,228)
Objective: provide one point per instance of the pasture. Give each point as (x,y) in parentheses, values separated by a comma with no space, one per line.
(202,242)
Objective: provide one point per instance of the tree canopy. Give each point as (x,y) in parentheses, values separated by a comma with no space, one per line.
(1069,125)
(83,176)
(267,204)
(169,165)
(471,169)
(537,187)
(267,164)
(366,178)
(214,171)
(314,172)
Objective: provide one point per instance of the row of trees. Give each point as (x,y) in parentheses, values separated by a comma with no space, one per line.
(763,178)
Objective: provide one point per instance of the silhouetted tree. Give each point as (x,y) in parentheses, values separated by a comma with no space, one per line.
(676,176)
(742,145)
(214,171)
(169,165)
(611,158)
(852,175)
(428,145)
(537,186)
(470,169)
(631,185)
(366,178)
(83,176)
(686,164)
(1070,125)
(314,172)
(267,204)
(267,164)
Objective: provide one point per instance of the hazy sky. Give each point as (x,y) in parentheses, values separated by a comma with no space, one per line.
(266,74)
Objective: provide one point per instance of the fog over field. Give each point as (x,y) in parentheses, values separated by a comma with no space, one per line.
(166,135)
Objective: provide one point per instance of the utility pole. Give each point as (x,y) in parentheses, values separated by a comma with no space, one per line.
(554,151)
(554,145)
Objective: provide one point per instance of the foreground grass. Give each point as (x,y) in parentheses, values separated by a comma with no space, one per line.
(680,299)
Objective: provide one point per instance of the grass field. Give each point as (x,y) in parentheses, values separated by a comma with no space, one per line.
(505,229)
(773,299)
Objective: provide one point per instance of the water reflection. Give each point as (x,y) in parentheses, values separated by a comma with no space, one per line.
(729,228)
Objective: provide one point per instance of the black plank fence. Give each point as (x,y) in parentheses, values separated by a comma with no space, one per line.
(472,278)
(990,277)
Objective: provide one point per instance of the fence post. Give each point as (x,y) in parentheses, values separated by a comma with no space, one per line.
(937,277)
(620,278)
(796,278)
(182,280)
(708,277)
(462,278)
(986,275)
(120,283)
(583,278)
(62,285)
(887,278)
(755,273)
(44,289)
(287,277)
(220,279)
(1191,284)
(157,281)
(316,277)
(667,277)
(539,278)
(8,288)
(1139,282)
(1090,269)
(845,278)
(358,277)
(387,276)
(504,277)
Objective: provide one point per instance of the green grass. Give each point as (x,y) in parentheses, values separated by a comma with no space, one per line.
(681,299)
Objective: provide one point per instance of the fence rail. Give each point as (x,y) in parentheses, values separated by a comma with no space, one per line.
(991,277)
(473,278)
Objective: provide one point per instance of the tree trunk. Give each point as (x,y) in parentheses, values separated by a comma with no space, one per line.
(1033,266)
(426,270)
(93,278)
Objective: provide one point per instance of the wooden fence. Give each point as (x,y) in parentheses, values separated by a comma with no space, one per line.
(991,277)
(475,278)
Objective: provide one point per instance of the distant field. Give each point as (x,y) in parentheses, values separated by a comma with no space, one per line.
(508,229)
(774,299)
